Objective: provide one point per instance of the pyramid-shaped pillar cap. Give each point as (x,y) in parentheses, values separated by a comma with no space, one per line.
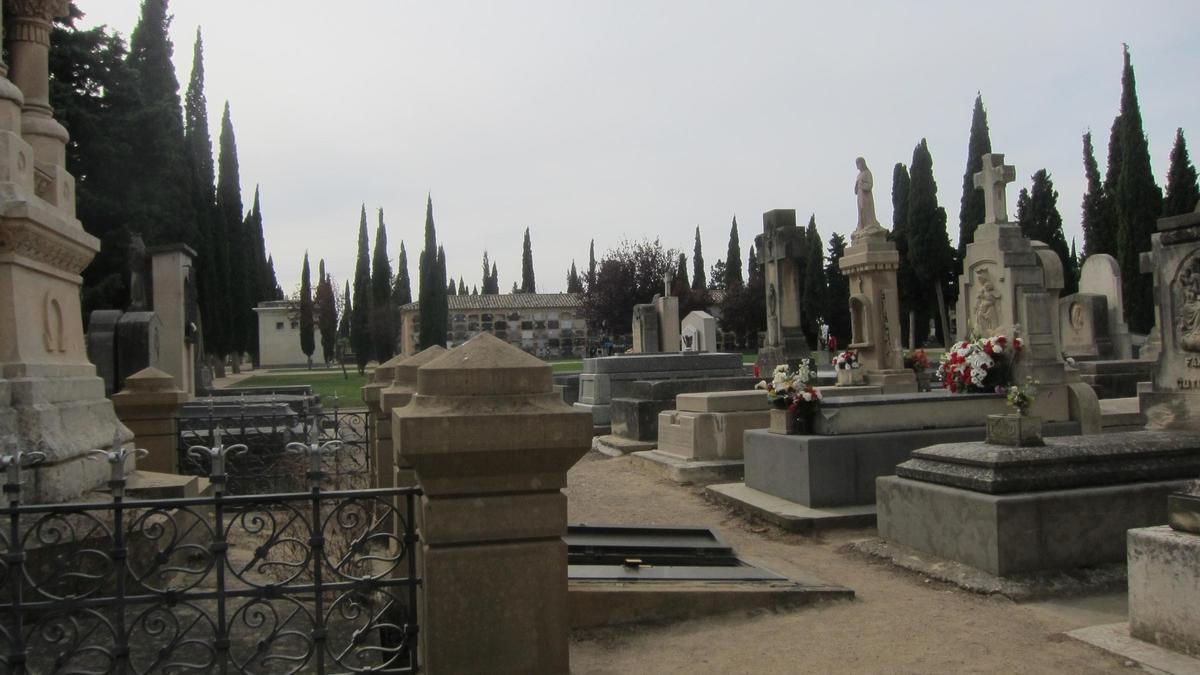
(405,374)
(484,366)
(386,371)
(150,379)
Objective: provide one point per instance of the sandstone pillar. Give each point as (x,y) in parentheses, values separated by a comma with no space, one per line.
(28,41)
(491,444)
(380,424)
(397,394)
(149,405)
(871,262)
(52,399)
(170,271)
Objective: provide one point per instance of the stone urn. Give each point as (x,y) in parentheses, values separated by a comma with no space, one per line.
(787,423)
(850,377)
(1014,430)
(924,380)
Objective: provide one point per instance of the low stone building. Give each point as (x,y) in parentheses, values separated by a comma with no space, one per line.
(544,324)
(279,335)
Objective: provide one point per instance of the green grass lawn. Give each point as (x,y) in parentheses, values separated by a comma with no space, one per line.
(348,389)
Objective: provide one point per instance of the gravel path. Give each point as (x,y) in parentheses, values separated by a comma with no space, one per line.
(899,623)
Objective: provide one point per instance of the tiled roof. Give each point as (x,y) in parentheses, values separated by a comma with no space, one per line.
(505,301)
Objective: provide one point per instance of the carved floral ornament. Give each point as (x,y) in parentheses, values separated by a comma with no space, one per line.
(34,243)
(47,10)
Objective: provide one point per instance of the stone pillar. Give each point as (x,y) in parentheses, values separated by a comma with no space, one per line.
(55,402)
(149,405)
(780,247)
(170,270)
(381,424)
(491,444)
(871,262)
(390,472)
(28,41)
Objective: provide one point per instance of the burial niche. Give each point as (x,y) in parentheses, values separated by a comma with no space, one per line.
(860,321)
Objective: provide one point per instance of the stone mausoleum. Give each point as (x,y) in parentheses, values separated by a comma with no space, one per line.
(543,324)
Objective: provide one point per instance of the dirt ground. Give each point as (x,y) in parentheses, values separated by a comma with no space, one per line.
(900,622)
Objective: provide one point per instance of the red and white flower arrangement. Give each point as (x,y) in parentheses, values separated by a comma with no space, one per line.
(846,360)
(983,365)
(792,390)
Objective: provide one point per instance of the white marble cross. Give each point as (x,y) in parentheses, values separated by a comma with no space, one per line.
(992,180)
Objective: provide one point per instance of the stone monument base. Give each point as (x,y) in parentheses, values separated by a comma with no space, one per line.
(1164,588)
(901,381)
(828,471)
(1007,510)
(635,415)
(62,412)
(1115,378)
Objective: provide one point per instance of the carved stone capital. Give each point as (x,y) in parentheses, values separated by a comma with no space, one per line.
(46,10)
(35,242)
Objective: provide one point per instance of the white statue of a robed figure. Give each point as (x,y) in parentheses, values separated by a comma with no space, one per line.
(868,224)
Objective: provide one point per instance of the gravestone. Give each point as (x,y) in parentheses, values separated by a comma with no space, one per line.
(102,346)
(139,344)
(1083,324)
(171,271)
(782,248)
(1002,291)
(703,329)
(666,307)
(871,262)
(1174,402)
(1101,274)
(645,329)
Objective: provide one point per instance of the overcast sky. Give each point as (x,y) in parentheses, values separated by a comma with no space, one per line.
(612,120)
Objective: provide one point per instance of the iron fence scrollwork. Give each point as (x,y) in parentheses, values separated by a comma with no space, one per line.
(310,581)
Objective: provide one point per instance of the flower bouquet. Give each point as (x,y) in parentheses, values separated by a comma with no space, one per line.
(793,397)
(982,365)
(1022,396)
(848,368)
(917,360)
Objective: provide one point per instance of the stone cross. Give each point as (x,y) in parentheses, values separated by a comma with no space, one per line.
(992,180)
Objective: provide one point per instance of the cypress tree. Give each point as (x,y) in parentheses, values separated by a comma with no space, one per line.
(159,205)
(277,292)
(733,259)
(383,332)
(527,283)
(838,316)
(261,287)
(1182,191)
(229,206)
(487,276)
(212,255)
(591,273)
(1038,216)
(325,308)
(307,344)
(929,249)
(462,286)
(754,270)
(495,280)
(433,307)
(402,291)
(360,320)
(452,288)
(1137,201)
(1075,265)
(1099,222)
(814,297)
(909,299)
(574,283)
(698,280)
(681,284)
(344,321)
(970,214)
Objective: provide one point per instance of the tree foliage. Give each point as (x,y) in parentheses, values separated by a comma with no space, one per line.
(325,308)
(307,344)
(929,250)
(1137,202)
(360,320)
(911,300)
(574,283)
(733,259)
(402,290)
(527,280)
(698,276)
(432,271)
(229,207)
(970,214)
(838,285)
(628,275)
(1099,222)
(383,332)
(1182,191)
(1038,216)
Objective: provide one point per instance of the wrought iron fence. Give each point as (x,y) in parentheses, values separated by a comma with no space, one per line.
(314,581)
(265,466)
